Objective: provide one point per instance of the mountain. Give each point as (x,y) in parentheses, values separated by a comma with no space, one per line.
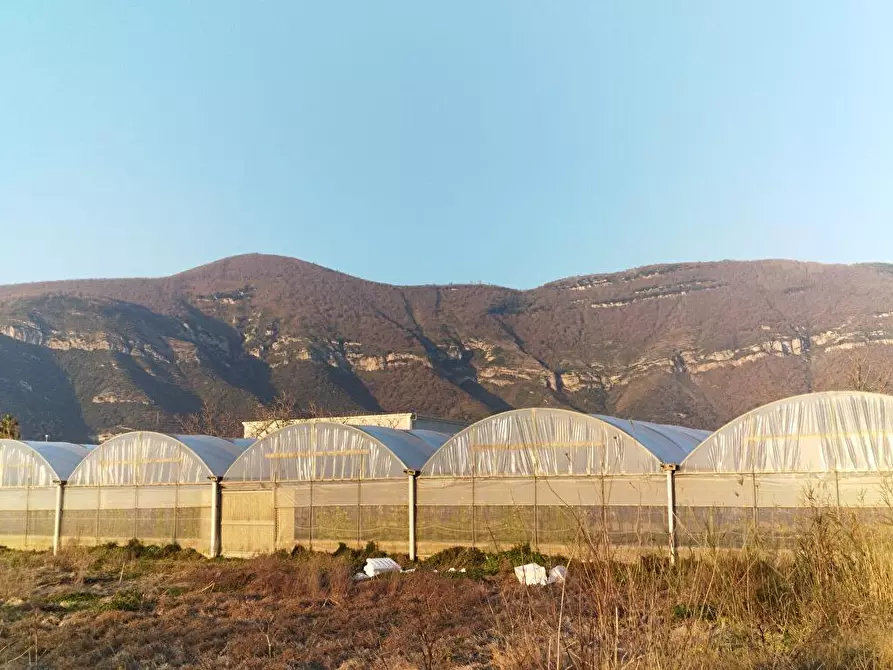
(689,343)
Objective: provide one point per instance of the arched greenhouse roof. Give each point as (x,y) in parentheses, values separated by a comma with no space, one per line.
(37,463)
(843,431)
(334,451)
(242,442)
(671,444)
(146,458)
(553,442)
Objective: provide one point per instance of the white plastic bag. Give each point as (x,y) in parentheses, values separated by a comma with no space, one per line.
(379,566)
(557,574)
(531,574)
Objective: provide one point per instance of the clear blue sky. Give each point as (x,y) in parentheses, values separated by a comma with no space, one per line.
(413,142)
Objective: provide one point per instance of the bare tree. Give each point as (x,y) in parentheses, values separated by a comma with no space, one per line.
(863,375)
(283,411)
(9,427)
(211,419)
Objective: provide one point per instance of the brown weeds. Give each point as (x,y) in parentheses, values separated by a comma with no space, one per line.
(827,603)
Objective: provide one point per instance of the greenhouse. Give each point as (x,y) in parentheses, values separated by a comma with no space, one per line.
(762,475)
(321,484)
(31,476)
(157,488)
(550,477)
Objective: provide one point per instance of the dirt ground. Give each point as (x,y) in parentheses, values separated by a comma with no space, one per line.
(109,608)
(829,605)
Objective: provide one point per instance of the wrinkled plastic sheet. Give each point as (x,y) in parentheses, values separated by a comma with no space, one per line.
(328,451)
(188,526)
(37,463)
(257,520)
(27,517)
(531,574)
(821,432)
(670,444)
(146,458)
(772,508)
(555,442)
(502,511)
(380,566)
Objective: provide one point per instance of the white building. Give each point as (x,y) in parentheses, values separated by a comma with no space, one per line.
(397,421)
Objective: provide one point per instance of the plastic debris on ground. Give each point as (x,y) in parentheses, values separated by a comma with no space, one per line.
(531,574)
(379,566)
(361,577)
(557,574)
(534,574)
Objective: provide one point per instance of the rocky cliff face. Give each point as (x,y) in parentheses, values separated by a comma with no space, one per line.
(687,343)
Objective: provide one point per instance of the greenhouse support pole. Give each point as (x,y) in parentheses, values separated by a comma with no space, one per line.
(57,525)
(411,477)
(670,469)
(474,532)
(310,520)
(215,516)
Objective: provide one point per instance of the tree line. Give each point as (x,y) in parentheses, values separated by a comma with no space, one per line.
(215,419)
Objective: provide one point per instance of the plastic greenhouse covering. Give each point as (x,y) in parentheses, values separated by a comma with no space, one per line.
(330,451)
(320,484)
(147,458)
(149,486)
(28,492)
(37,463)
(670,444)
(548,477)
(821,432)
(556,442)
(543,476)
(765,474)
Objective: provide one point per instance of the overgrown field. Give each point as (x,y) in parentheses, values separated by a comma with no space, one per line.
(826,604)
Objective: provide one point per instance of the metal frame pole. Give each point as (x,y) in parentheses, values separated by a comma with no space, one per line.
(215,517)
(57,526)
(411,481)
(670,469)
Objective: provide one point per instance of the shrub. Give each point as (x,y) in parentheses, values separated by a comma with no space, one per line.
(75,601)
(127,600)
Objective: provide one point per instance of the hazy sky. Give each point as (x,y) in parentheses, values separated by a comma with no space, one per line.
(414,142)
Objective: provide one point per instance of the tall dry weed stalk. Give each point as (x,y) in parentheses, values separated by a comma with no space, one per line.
(826,603)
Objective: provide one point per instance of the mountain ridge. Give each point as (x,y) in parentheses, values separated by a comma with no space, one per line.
(690,343)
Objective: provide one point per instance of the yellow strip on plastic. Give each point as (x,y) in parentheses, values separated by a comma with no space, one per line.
(528,445)
(311,454)
(813,436)
(16,466)
(142,461)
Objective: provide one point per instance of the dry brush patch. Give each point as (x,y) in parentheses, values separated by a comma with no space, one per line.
(825,604)
(108,608)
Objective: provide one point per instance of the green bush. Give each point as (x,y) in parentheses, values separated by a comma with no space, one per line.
(359,556)
(128,600)
(478,564)
(75,601)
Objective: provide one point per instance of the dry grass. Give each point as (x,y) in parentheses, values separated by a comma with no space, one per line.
(825,605)
(828,604)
